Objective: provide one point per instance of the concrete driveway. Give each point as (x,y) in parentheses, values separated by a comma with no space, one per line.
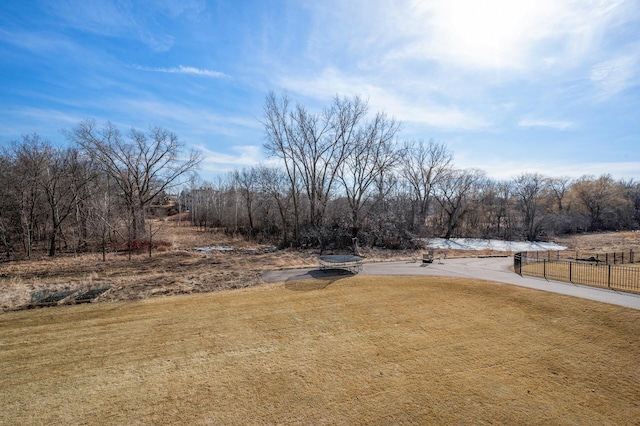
(491,269)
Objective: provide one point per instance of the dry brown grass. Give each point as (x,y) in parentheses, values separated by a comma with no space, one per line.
(361,350)
(181,270)
(602,242)
(178,270)
(615,277)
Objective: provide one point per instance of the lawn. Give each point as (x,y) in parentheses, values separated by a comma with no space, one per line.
(358,350)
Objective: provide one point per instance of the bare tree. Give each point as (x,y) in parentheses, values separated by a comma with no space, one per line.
(602,200)
(558,188)
(280,143)
(62,181)
(142,165)
(101,208)
(561,218)
(504,210)
(454,193)
(632,194)
(423,166)
(44,186)
(311,146)
(274,183)
(9,214)
(30,160)
(372,155)
(248,181)
(528,188)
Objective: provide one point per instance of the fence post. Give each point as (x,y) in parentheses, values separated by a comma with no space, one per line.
(517,263)
(631,256)
(544,268)
(609,276)
(570,271)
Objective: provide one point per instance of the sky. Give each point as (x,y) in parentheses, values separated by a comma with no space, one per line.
(510,87)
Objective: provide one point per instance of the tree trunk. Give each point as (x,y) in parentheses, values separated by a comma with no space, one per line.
(52,243)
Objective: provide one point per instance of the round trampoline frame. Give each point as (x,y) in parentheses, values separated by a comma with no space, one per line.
(347,262)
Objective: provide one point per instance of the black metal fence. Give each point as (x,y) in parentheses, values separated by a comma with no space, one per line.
(611,258)
(595,273)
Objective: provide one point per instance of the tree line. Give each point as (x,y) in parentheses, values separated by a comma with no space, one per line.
(344,173)
(335,175)
(91,195)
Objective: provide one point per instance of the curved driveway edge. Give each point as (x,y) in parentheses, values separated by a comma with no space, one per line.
(491,269)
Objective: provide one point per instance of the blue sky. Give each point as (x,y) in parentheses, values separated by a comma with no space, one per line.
(549,86)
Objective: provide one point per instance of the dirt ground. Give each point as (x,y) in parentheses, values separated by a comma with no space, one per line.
(360,350)
(179,269)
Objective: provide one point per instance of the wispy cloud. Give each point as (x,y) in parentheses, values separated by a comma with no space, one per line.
(619,170)
(505,169)
(39,43)
(396,103)
(616,75)
(488,78)
(522,36)
(47,122)
(193,118)
(239,156)
(185,70)
(553,124)
(115,19)
(488,34)
(444,64)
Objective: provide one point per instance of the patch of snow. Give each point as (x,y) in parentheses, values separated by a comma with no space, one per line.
(211,249)
(247,250)
(496,245)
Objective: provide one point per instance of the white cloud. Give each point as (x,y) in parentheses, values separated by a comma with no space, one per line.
(449,118)
(553,124)
(504,169)
(192,117)
(403,107)
(487,34)
(46,122)
(616,75)
(39,43)
(239,156)
(185,70)
(521,36)
(114,19)
(448,64)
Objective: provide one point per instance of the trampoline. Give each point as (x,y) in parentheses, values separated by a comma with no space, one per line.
(347,262)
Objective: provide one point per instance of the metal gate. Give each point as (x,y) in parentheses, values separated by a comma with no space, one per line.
(517,263)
